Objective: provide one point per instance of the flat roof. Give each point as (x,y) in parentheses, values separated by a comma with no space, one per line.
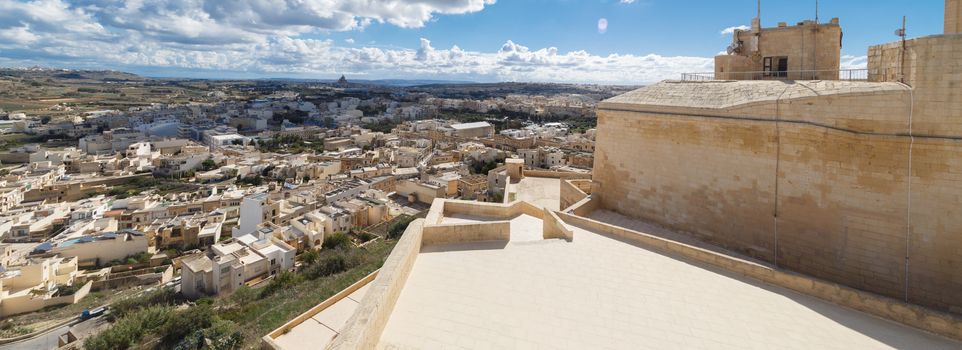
(601,292)
(540,191)
(474,125)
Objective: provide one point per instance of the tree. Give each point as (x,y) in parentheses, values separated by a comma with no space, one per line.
(335,240)
(208,164)
(309,257)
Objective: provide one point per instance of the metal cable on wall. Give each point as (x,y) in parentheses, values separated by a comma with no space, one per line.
(908,206)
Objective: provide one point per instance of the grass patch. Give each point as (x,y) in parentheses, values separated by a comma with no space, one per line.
(154,321)
(257,314)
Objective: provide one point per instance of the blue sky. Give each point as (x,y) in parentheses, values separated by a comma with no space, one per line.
(477,40)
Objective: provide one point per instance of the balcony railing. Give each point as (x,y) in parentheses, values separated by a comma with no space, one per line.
(841,74)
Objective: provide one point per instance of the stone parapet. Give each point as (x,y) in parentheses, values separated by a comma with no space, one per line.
(363,330)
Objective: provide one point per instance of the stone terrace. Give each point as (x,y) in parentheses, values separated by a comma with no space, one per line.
(598,292)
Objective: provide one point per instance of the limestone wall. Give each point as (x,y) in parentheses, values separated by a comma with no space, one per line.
(442,207)
(713,178)
(553,227)
(573,191)
(467,232)
(840,207)
(555,174)
(933,68)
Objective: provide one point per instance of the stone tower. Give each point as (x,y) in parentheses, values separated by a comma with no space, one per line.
(953,16)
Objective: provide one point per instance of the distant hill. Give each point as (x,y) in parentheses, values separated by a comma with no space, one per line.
(70,74)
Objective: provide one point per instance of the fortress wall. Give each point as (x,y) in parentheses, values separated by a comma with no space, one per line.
(842,197)
(933,68)
(713,178)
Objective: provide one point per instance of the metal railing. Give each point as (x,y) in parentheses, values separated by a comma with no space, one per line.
(841,74)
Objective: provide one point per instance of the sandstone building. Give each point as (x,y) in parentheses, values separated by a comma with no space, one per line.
(807,50)
(856,182)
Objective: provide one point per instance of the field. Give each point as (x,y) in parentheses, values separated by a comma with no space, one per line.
(57,93)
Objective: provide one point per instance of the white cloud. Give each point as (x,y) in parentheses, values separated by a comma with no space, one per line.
(853,62)
(627,1)
(731,30)
(257,38)
(602,25)
(18,35)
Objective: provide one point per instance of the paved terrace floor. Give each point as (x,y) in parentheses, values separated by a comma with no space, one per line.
(540,191)
(319,330)
(601,293)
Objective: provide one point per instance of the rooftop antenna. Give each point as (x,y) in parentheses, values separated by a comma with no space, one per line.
(901,33)
(759,15)
(815,47)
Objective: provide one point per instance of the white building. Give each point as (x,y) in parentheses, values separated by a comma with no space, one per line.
(470,130)
(254,210)
(228,265)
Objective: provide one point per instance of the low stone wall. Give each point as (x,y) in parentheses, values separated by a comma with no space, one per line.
(555,174)
(584,207)
(488,210)
(363,330)
(874,304)
(28,303)
(466,232)
(436,213)
(553,227)
(573,191)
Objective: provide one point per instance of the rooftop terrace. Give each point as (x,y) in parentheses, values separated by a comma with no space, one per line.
(601,292)
(518,275)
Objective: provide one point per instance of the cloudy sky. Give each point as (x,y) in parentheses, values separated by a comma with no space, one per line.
(597,41)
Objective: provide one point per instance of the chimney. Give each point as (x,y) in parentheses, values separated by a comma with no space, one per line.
(953,16)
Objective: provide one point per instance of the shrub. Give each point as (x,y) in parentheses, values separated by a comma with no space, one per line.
(309,257)
(128,331)
(332,263)
(221,334)
(66,289)
(125,306)
(364,236)
(335,240)
(284,280)
(176,328)
(398,227)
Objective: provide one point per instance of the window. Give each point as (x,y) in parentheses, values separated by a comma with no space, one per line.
(775,66)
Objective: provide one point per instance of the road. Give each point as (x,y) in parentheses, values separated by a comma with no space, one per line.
(50,339)
(44,341)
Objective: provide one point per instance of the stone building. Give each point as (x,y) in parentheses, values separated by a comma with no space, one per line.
(852,182)
(472,130)
(807,50)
